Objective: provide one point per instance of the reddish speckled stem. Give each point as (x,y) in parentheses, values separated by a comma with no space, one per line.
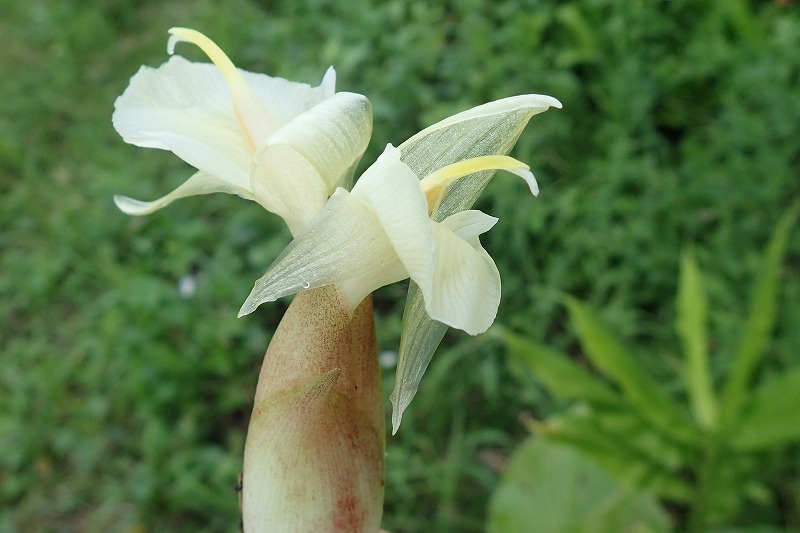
(315,445)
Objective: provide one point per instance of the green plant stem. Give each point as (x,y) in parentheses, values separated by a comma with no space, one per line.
(700,516)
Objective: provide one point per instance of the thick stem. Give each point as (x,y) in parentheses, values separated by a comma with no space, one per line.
(315,446)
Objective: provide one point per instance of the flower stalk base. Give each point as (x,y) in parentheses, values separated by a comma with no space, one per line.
(315,446)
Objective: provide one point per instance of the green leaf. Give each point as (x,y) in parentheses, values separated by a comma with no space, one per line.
(643,393)
(491,128)
(562,377)
(553,488)
(759,321)
(622,443)
(691,328)
(773,416)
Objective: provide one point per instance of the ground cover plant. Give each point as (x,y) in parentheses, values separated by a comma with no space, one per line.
(708,455)
(126,379)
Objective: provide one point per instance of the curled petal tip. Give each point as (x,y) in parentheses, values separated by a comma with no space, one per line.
(177,35)
(527,175)
(130,206)
(546,101)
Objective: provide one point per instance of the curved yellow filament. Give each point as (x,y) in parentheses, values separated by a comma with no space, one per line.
(251,113)
(435,185)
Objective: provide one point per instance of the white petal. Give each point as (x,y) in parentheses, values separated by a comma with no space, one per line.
(468,225)
(287,184)
(303,163)
(418,344)
(284,99)
(186,108)
(466,284)
(345,243)
(199,183)
(394,192)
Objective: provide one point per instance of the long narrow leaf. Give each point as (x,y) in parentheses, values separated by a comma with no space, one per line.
(556,489)
(691,328)
(773,416)
(562,377)
(616,452)
(608,354)
(759,322)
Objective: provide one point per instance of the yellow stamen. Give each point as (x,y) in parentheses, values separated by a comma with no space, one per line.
(251,113)
(435,185)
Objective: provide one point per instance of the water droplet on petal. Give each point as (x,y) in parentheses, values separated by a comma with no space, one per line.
(306,284)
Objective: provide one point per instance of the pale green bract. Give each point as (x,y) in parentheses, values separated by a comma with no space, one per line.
(491,128)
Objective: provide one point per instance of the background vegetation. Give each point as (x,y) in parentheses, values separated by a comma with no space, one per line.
(124,401)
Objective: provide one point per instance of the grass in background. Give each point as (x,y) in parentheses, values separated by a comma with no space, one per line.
(123,404)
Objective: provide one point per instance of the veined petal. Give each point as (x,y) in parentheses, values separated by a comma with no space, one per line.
(469,225)
(466,284)
(285,99)
(491,128)
(185,108)
(399,203)
(200,183)
(304,162)
(417,345)
(344,243)
(332,135)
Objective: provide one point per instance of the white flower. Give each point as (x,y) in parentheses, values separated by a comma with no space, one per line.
(381,232)
(285,145)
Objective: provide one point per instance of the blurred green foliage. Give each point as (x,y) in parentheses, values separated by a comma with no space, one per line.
(555,488)
(707,455)
(123,403)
